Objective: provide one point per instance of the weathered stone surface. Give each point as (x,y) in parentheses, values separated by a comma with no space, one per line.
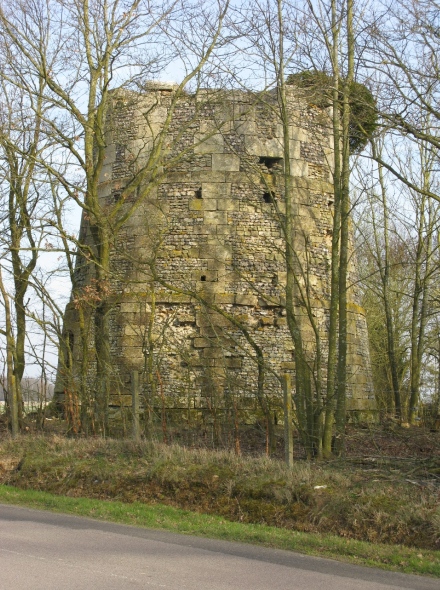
(216,190)
(208,144)
(241,299)
(297,134)
(210,205)
(233,363)
(243,127)
(224,298)
(106,173)
(196,205)
(227,205)
(228,162)
(264,147)
(209,239)
(216,217)
(299,168)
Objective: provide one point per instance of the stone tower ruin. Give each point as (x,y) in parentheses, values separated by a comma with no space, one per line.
(199,271)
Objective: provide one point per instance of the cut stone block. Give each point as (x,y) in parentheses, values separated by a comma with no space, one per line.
(297,133)
(196,205)
(299,168)
(229,162)
(132,306)
(156,115)
(213,176)
(288,365)
(228,205)
(224,230)
(246,300)
(209,126)
(110,154)
(216,217)
(233,363)
(130,330)
(257,146)
(209,204)
(295,149)
(215,264)
(106,173)
(213,353)
(245,127)
(105,189)
(201,343)
(224,298)
(208,144)
(216,190)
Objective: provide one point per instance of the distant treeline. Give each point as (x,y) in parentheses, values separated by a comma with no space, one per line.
(34,389)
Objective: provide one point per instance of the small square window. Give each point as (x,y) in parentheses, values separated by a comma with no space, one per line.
(271,163)
(269,197)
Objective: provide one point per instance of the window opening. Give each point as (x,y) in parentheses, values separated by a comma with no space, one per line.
(203,278)
(269,197)
(198,193)
(270,162)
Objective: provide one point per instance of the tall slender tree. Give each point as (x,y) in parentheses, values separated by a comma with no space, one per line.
(81,51)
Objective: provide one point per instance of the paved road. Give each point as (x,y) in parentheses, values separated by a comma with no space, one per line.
(44,551)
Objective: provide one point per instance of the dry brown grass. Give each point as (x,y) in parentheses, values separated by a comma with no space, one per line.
(380,500)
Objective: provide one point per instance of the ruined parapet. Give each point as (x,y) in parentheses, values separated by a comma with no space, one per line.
(199,268)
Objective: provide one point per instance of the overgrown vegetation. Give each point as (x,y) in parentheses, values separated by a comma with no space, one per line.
(339,54)
(363,109)
(393,502)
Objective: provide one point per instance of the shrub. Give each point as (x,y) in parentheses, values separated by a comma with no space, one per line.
(363,111)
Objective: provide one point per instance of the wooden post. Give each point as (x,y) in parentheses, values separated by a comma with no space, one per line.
(135,404)
(288,426)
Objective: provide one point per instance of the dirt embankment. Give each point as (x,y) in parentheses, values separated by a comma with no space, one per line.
(375,497)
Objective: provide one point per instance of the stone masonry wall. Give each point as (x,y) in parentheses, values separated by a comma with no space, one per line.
(199,269)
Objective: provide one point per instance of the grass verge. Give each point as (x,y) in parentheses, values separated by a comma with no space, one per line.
(390,557)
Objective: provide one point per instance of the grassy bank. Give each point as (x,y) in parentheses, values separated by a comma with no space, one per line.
(326,510)
(395,558)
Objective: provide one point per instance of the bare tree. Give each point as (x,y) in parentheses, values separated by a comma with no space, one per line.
(82,51)
(23,191)
(399,254)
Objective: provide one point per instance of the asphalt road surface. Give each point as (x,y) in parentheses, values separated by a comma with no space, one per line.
(45,551)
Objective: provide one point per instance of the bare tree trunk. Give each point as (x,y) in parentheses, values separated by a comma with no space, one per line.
(334,284)
(420,296)
(304,395)
(102,333)
(12,397)
(344,245)
(384,269)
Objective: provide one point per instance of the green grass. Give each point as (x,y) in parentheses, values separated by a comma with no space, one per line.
(372,516)
(157,516)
